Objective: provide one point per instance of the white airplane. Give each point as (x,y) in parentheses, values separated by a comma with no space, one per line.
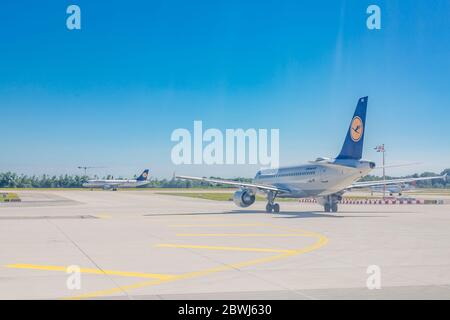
(392,189)
(324,179)
(114,184)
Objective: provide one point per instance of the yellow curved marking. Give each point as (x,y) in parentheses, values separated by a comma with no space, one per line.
(219,225)
(240,235)
(103,216)
(92,271)
(321,241)
(192,246)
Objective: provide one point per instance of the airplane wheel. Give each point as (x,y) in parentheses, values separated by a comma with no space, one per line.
(276,208)
(334,207)
(327,207)
(269,208)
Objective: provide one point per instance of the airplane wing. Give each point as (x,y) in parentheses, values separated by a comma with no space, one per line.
(236,183)
(393,181)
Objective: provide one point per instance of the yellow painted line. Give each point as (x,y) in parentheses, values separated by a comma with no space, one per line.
(240,235)
(219,225)
(103,216)
(92,271)
(190,246)
(321,240)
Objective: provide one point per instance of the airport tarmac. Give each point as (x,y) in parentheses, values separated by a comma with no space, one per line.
(144,245)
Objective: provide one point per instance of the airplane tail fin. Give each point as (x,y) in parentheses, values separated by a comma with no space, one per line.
(353,144)
(143,176)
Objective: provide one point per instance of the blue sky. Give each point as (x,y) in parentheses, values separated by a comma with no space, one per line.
(111,93)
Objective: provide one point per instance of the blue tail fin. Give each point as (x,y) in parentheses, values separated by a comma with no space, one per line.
(353,144)
(143,176)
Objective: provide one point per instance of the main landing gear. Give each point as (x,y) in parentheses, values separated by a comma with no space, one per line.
(330,204)
(271,206)
(333,207)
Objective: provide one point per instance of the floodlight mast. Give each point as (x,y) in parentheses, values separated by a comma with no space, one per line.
(85,168)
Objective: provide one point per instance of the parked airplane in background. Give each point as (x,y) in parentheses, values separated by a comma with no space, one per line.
(324,179)
(114,184)
(392,189)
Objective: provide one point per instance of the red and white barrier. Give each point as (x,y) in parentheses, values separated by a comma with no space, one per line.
(378,201)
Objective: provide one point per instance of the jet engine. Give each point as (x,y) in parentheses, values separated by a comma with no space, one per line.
(244,198)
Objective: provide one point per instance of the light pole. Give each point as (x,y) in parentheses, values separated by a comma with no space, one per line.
(85,169)
(381,148)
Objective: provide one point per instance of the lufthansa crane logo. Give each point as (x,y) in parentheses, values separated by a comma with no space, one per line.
(356,129)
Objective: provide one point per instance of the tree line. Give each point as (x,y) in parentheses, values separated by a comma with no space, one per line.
(14,180)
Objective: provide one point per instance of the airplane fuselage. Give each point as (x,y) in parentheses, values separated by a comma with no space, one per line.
(316,179)
(114,183)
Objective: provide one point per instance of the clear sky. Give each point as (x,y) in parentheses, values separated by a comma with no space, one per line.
(111,93)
